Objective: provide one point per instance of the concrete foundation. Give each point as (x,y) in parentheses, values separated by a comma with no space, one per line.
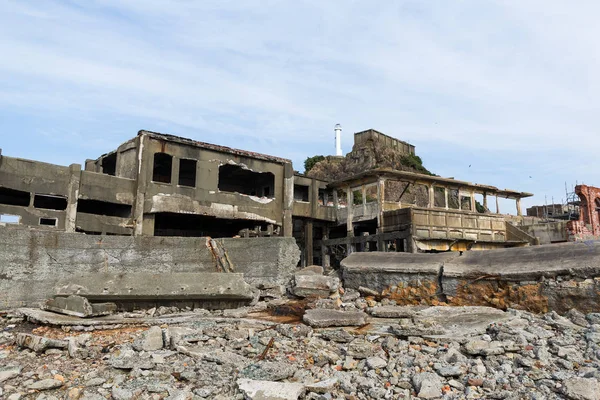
(32,262)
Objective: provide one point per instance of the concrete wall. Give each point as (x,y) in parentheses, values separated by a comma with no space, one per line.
(548,233)
(537,278)
(32,261)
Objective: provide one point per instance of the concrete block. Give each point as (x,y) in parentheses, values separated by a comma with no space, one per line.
(263,390)
(78,306)
(323,318)
(147,286)
(315,285)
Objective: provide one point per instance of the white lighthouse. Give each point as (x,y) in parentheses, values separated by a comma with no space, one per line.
(338,140)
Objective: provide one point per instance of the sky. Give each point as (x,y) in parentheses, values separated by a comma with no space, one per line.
(504,93)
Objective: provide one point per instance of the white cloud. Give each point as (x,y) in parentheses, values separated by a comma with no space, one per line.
(499,76)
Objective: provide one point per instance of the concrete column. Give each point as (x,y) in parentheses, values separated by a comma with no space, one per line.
(381,209)
(325,256)
(148,225)
(473,207)
(175,172)
(140,191)
(73,195)
(308,242)
(519,210)
(288,200)
(446,198)
(349,220)
(314,197)
(431,197)
(459,200)
(485,202)
(497,205)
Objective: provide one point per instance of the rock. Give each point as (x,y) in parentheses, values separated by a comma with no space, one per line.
(320,318)
(122,394)
(311,270)
(376,363)
(265,390)
(395,311)
(129,359)
(338,335)
(450,371)
(323,387)
(151,340)
(268,371)
(478,382)
(315,285)
(294,331)
(582,389)
(360,349)
(428,385)
(39,344)
(578,318)
(7,373)
(46,384)
(483,348)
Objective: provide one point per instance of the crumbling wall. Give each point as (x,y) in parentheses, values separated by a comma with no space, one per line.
(538,278)
(32,261)
(588,225)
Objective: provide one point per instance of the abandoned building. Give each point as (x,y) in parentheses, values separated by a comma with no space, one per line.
(164,185)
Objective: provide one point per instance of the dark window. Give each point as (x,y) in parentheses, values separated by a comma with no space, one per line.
(50,202)
(97,207)
(187,173)
(48,221)
(163,164)
(14,197)
(188,225)
(109,164)
(233,178)
(301,193)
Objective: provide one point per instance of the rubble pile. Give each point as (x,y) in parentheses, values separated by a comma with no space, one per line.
(349,347)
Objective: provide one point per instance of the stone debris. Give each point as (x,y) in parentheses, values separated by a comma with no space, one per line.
(443,353)
(323,318)
(78,306)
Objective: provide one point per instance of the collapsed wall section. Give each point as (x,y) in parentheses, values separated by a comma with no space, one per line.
(33,261)
(538,279)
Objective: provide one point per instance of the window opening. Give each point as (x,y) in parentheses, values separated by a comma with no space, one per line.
(109,164)
(105,208)
(187,173)
(301,193)
(10,219)
(453,199)
(163,165)
(13,197)
(48,221)
(371,194)
(439,197)
(49,202)
(465,203)
(358,197)
(235,179)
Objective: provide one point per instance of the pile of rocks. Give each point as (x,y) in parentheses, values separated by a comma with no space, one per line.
(391,353)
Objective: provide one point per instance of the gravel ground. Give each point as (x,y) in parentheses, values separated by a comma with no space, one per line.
(250,356)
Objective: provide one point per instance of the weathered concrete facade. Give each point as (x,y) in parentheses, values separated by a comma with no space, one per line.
(32,261)
(164,185)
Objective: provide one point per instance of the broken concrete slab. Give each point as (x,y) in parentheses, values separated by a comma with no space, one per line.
(78,306)
(323,318)
(311,270)
(265,390)
(151,340)
(39,344)
(148,286)
(395,311)
(315,285)
(7,373)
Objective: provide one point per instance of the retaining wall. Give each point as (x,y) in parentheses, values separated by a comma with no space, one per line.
(32,261)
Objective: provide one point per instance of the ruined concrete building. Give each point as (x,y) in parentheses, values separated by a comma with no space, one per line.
(164,185)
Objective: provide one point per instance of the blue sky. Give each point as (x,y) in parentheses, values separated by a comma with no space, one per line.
(508,87)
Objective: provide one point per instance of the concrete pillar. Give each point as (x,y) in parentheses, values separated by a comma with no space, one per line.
(381,209)
(141,184)
(431,197)
(288,200)
(73,195)
(473,206)
(519,210)
(308,242)
(349,220)
(314,197)
(485,202)
(175,172)
(148,225)
(325,255)
(446,198)
(497,205)
(459,200)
